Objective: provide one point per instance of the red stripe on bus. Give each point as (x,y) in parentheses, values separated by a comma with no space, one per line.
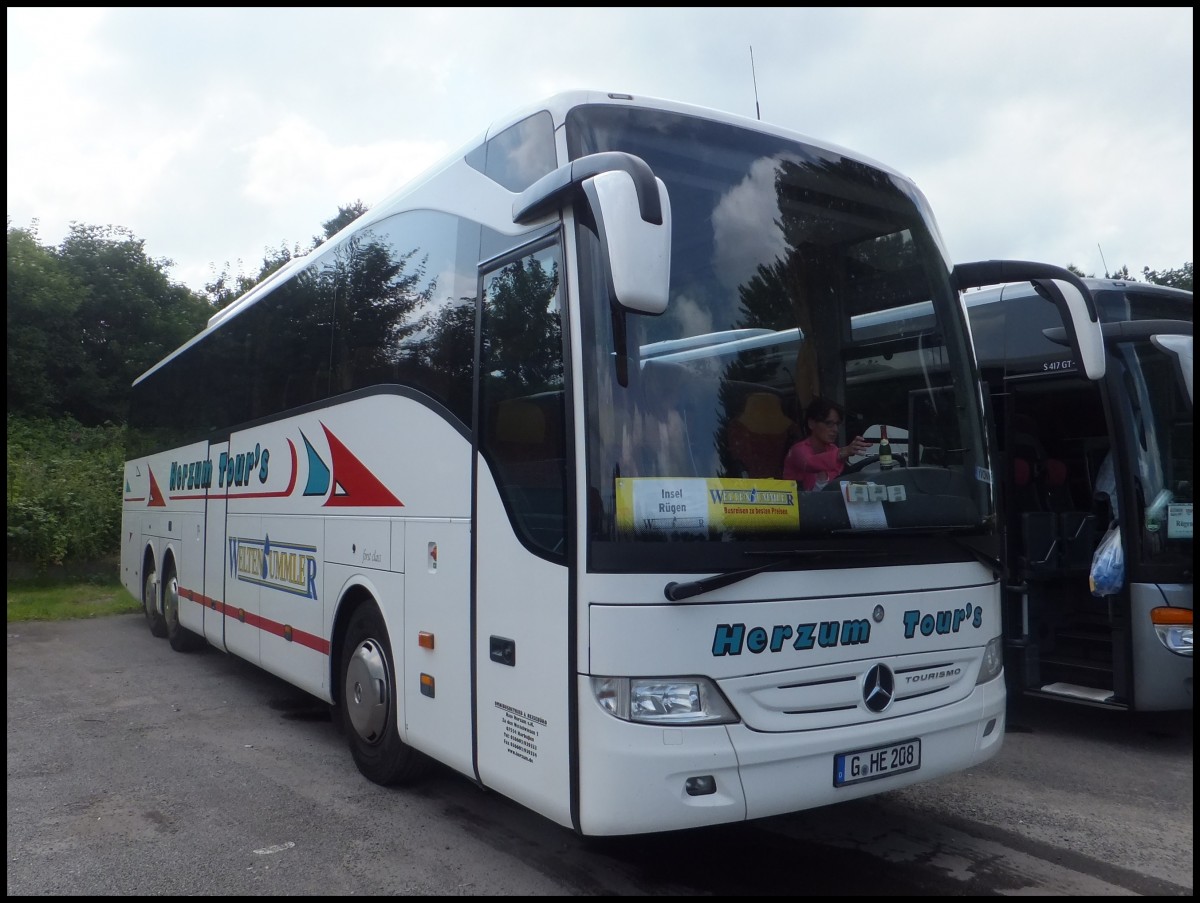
(301,637)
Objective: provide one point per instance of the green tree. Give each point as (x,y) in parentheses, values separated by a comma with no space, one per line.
(129,316)
(64,490)
(523,328)
(345,216)
(86,318)
(1180,278)
(226,287)
(43,299)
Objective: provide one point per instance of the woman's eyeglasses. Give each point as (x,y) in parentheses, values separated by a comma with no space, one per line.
(831,423)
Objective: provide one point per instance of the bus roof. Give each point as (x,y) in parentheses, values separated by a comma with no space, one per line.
(487,194)
(558,105)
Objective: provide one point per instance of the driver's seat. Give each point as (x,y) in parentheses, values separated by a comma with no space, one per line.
(760,436)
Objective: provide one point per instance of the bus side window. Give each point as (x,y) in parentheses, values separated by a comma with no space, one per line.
(525,446)
(521,397)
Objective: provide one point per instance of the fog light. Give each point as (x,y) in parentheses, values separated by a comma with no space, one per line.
(700,785)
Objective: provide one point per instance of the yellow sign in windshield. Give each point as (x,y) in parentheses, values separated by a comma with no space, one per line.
(696,505)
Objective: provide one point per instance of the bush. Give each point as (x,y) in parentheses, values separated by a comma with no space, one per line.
(64,491)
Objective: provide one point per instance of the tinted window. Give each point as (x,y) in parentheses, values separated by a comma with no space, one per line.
(390,304)
(403,296)
(521,392)
(520,155)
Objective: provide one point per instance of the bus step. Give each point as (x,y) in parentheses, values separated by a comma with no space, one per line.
(1089,696)
(1085,635)
(1079,664)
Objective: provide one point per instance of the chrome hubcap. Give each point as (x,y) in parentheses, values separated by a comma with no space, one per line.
(171,601)
(368,691)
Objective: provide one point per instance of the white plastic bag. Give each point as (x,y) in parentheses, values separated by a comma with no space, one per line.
(1108,564)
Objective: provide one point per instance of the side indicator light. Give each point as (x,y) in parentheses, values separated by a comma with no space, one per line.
(1171,616)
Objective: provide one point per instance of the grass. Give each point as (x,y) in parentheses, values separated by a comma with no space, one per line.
(49,599)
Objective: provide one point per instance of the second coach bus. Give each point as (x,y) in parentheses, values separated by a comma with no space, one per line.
(497,471)
(1084,459)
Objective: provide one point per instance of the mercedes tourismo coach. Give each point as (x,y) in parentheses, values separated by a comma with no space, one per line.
(497,472)
(1083,458)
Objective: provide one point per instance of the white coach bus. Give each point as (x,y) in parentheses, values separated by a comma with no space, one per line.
(1084,459)
(497,472)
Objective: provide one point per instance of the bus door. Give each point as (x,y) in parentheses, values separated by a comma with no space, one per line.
(178,485)
(244,554)
(523,628)
(287,554)
(215,551)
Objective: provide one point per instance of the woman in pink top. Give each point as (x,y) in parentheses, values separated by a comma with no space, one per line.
(814,461)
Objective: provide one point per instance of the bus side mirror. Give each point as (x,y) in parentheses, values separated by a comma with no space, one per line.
(1179,349)
(1060,286)
(1075,304)
(637,253)
(633,215)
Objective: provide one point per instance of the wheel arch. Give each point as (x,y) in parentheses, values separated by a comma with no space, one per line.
(353,596)
(169,562)
(150,564)
(152,592)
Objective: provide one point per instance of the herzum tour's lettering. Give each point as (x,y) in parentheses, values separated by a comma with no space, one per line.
(731,639)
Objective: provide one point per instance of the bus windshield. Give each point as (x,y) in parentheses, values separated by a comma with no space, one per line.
(796,274)
(1161,445)
(1159,416)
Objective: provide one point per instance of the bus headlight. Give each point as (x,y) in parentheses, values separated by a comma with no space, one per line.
(993,661)
(1174,628)
(663,700)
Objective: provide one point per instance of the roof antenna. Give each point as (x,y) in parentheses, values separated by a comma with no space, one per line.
(1103,262)
(757,112)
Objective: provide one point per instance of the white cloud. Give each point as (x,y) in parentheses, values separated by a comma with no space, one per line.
(217,133)
(743,241)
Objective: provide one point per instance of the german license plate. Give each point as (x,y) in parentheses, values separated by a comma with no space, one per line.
(876,762)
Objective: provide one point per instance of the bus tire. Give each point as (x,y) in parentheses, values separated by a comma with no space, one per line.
(154,620)
(369,704)
(180,638)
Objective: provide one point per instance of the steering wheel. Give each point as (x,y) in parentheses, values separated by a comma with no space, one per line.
(859,465)
(900,460)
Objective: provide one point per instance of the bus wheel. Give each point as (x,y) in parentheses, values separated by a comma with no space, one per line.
(180,638)
(369,702)
(158,626)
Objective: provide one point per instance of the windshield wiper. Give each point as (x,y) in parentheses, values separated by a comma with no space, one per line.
(675,591)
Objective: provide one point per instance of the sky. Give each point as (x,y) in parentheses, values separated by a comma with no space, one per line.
(218,135)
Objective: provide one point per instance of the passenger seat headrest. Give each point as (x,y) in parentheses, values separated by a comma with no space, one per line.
(1056,472)
(1021,472)
(763,413)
